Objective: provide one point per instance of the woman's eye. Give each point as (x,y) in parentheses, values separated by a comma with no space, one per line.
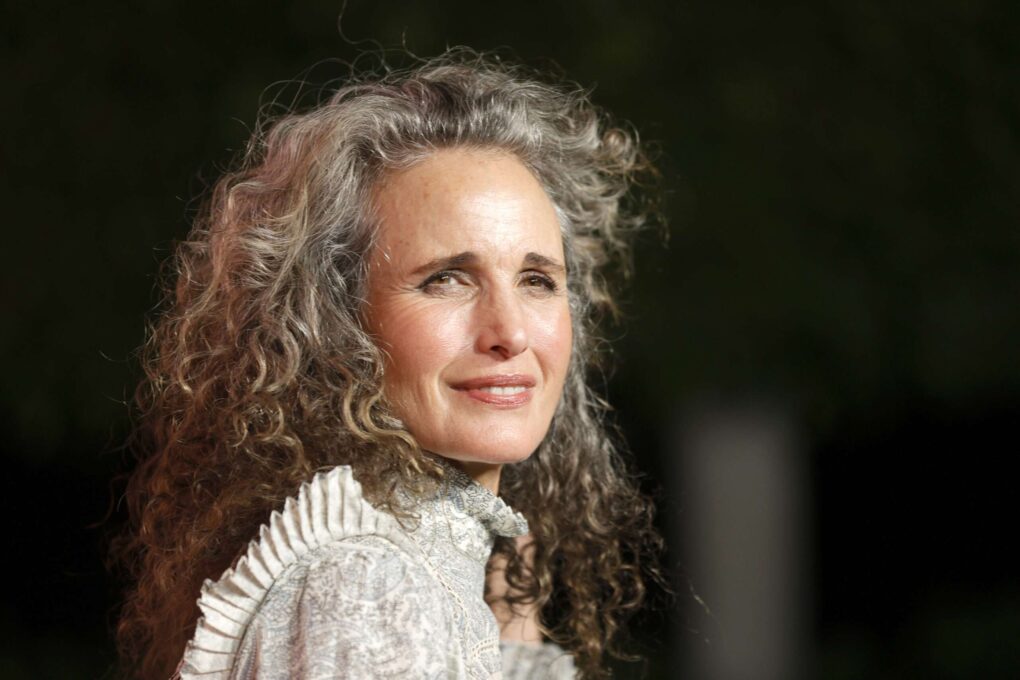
(538,280)
(441,280)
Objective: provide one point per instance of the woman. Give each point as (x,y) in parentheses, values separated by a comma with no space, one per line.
(375,345)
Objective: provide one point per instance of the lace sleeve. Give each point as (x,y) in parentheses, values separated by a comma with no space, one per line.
(536,662)
(358,610)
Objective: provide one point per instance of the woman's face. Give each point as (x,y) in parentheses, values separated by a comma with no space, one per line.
(467,296)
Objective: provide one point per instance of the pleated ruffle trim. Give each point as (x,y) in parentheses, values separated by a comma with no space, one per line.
(328,508)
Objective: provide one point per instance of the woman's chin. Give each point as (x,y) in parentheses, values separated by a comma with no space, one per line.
(492,453)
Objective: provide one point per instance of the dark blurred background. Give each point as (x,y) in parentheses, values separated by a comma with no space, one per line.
(820,371)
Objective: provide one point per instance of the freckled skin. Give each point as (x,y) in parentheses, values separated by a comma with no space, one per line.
(500,310)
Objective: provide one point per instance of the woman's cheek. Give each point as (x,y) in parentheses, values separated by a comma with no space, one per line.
(554,339)
(425,338)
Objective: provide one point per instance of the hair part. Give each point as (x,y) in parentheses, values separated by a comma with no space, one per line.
(258,371)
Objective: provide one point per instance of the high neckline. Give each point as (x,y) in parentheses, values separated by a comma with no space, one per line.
(474,500)
(463,516)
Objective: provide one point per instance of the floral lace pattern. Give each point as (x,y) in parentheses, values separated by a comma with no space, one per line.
(336,589)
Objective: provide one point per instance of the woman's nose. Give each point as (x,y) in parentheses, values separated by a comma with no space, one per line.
(502,325)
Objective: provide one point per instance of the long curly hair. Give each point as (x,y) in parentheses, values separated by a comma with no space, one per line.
(259,373)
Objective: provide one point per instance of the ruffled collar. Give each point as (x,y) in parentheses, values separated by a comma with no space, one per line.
(464,515)
(474,500)
(461,514)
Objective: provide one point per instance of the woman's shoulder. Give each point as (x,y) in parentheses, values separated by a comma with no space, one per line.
(325,536)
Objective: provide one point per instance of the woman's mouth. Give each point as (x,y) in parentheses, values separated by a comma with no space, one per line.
(508,391)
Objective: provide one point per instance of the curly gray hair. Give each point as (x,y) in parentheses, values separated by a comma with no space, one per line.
(259,372)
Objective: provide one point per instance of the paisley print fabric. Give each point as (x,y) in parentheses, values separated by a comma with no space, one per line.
(334,588)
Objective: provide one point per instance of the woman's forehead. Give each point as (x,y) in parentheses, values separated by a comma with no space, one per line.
(466,201)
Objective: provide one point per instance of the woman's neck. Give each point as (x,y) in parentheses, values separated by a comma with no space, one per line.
(485,474)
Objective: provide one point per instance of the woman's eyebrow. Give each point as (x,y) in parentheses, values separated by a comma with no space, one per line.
(452,262)
(537,260)
(468,258)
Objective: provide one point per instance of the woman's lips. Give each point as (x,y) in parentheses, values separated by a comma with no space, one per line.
(499,390)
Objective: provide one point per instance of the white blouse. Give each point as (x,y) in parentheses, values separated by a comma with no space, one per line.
(334,588)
